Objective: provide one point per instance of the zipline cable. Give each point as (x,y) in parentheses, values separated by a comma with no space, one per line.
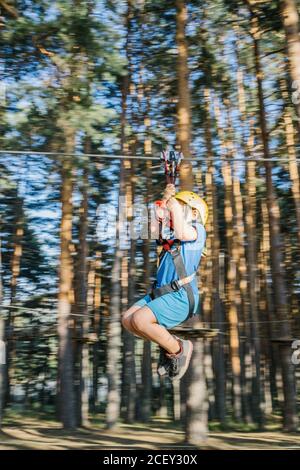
(145,158)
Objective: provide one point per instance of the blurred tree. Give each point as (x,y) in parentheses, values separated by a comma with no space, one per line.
(2,345)
(278,272)
(184,131)
(290,19)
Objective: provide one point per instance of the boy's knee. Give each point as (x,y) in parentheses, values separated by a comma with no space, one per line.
(137,322)
(126,321)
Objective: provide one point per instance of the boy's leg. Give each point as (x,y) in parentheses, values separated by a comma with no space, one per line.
(126,321)
(128,325)
(144,322)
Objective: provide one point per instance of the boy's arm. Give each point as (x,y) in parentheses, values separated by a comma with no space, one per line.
(160,211)
(182,229)
(169,192)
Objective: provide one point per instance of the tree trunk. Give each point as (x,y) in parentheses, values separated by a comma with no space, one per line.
(250,249)
(162,410)
(184,101)
(129,339)
(114,326)
(196,410)
(15,273)
(196,407)
(97,328)
(242,285)
(66,385)
(291,149)
(234,342)
(81,303)
(278,273)
(232,293)
(129,376)
(290,19)
(129,391)
(252,288)
(2,346)
(146,393)
(212,304)
(267,305)
(114,336)
(217,311)
(17,249)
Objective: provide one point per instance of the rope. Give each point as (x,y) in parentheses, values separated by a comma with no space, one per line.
(141,157)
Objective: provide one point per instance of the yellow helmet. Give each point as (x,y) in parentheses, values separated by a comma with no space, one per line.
(195,202)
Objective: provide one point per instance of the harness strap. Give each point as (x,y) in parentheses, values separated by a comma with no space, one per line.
(174,286)
(183,281)
(181,272)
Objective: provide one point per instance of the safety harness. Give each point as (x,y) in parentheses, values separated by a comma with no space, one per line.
(184,281)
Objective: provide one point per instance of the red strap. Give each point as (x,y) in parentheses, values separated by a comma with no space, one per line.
(167,244)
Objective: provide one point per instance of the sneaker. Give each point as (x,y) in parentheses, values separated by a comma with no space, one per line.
(163,362)
(179,363)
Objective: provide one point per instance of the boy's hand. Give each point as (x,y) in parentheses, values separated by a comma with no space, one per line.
(169,192)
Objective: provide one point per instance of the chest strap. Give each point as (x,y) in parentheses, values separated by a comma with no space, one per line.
(184,280)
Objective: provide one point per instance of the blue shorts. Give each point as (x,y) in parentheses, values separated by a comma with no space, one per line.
(170,309)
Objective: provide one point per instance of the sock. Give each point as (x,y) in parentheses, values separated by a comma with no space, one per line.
(178,352)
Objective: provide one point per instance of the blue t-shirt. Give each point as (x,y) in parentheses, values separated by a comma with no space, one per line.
(191,252)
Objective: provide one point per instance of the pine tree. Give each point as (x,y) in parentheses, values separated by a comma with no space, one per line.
(290,19)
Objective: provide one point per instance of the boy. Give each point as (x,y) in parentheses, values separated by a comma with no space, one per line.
(175,296)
